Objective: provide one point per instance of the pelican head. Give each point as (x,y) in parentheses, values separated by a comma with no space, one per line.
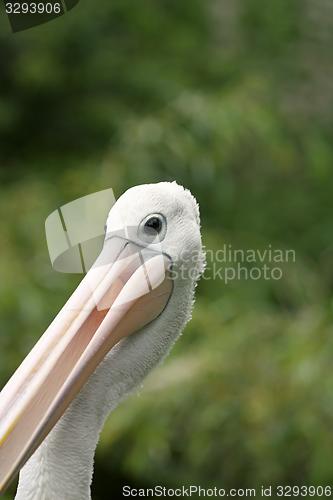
(119,323)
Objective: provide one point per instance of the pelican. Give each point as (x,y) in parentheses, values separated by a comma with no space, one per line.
(120,322)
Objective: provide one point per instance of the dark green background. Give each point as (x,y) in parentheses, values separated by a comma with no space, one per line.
(234,100)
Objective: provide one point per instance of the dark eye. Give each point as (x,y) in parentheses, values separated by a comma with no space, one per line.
(153,227)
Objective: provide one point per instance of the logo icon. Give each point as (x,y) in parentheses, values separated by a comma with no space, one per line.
(75,231)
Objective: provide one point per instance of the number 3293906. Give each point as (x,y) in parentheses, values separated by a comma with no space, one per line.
(33,8)
(304,491)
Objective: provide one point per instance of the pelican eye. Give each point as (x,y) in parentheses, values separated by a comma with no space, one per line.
(153,227)
(153,224)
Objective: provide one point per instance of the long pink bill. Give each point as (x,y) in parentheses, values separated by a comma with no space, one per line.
(127,288)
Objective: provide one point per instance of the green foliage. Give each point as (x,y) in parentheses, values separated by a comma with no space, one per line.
(231,99)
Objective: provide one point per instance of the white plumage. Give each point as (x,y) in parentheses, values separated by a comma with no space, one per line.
(62,467)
